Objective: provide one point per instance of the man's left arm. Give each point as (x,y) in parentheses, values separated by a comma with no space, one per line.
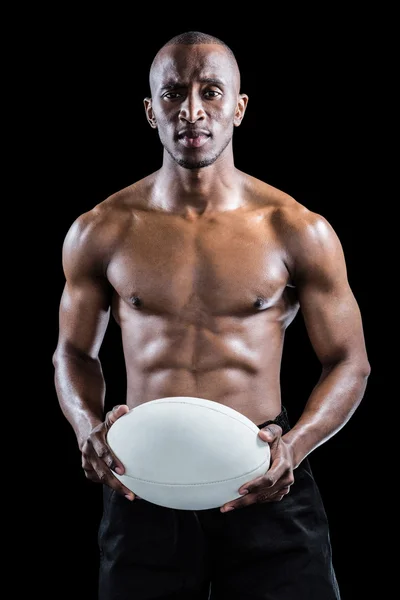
(334,326)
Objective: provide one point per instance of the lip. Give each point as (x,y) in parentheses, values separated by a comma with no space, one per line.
(190,141)
(193,132)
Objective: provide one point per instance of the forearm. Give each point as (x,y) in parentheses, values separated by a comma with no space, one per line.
(80,389)
(330,405)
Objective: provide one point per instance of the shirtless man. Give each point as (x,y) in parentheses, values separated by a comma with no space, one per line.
(204,267)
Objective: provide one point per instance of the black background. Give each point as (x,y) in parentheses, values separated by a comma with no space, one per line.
(310,129)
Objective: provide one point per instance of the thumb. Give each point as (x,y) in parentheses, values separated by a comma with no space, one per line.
(116,413)
(270,433)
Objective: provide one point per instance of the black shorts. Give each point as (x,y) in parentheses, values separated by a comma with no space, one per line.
(270,551)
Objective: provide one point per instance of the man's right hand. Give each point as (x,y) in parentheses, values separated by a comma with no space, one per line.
(98,461)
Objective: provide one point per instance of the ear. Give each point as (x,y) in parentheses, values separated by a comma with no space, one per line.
(240,109)
(148,107)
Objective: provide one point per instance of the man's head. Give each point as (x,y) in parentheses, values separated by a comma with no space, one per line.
(195,98)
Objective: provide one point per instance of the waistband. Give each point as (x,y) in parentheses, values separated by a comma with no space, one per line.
(282,420)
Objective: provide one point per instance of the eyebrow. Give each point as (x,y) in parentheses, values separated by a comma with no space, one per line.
(173,84)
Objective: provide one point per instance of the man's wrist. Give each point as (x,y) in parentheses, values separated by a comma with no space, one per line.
(298,441)
(83,433)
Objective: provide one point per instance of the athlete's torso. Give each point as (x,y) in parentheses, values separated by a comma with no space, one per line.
(203,303)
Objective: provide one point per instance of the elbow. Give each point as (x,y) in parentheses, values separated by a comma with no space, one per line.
(67,352)
(358,365)
(58,355)
(361,368)
(54,359)
(365,369)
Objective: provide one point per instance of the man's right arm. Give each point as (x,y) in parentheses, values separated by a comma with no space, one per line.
(83,318)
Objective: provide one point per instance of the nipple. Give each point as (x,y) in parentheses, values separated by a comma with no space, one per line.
(136,301)
(259,302)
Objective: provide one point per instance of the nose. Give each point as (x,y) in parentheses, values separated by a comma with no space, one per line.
(192,108)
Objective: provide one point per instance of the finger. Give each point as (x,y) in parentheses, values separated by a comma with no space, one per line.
(106,477)
(281,492)
(270,433)
(269,495)
(280,495)
(279,474)
(103,451)
(98,456)
(267,482)
(276,496)
(245,500)
(91,475)
(262,483)
(256,486)
(118,486)
(114,414)
(252,486)
(253,498)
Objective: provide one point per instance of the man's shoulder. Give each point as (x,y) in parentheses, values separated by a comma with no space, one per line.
(283,209)
(303,232)
(113,212)
(97,229)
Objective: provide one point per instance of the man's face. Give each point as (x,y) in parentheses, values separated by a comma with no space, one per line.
(195,102)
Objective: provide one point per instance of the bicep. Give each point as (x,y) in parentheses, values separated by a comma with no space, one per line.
(84,315)
(332,318)
(329,308)
(85,303)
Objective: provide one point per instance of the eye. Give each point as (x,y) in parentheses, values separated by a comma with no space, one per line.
(172,95)
(212,94)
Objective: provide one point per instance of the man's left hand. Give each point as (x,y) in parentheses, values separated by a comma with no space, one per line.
(275,483)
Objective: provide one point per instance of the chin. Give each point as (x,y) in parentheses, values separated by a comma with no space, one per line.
(191,164)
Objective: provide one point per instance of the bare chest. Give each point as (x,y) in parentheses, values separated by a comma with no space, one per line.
(221,265)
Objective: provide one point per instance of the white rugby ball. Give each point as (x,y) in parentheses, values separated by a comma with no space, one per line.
(187,453)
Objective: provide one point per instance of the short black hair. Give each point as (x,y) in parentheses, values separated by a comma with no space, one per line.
(197,37)
(194,38)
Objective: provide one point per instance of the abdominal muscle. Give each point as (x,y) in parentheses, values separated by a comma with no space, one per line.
(230,368)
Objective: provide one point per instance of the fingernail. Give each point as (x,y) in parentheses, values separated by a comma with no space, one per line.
(119,470)
(129,497)
(244,492)
(228,508)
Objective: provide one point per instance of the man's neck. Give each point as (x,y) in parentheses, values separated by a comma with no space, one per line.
(215,188)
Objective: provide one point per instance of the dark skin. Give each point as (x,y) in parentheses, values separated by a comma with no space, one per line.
(204,267)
